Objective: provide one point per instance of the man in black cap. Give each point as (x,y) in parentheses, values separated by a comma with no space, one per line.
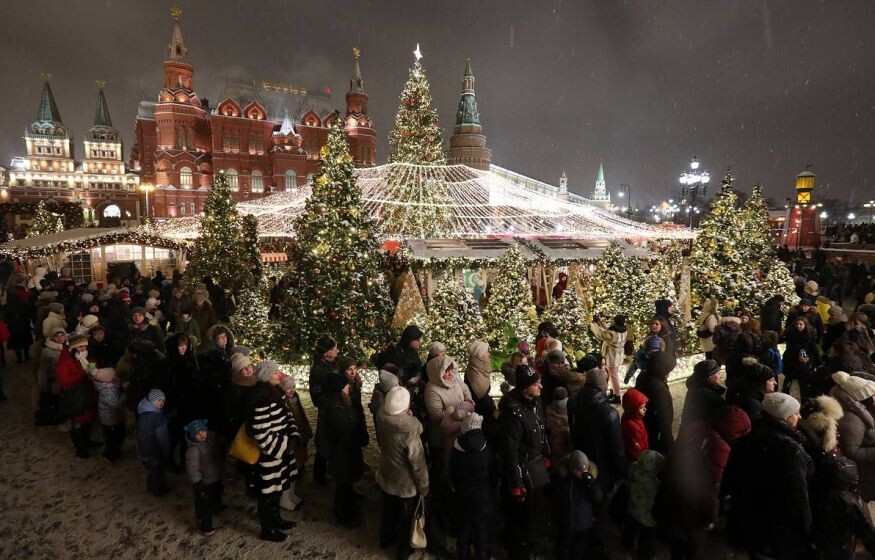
(523,452)
(324,356)
(704,393)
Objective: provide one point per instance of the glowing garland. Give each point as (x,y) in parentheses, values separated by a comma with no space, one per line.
(134,236)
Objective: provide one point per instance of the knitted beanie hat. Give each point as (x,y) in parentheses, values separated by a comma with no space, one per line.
(264,370)
(155,395)
(472,422)
(239,362)
(598,378)
(436,348)
(89,321)
(397,401)
(857,388)
(195,426)
(780,405)
(56,307)
(77,341)
(324,344)
(525,377)
(577,461)
(87,298)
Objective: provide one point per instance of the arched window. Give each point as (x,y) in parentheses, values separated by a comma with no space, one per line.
(309,178)
(182,209)
(257,182)
(232,179)
(291,179)
(185,178)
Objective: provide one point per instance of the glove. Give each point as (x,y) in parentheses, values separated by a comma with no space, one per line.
(518,494)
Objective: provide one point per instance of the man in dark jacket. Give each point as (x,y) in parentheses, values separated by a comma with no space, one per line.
(324,356)
(472,489)
(772,315)
(748,392)
(523,452)
(660,409)
(405,354)
(596,429)
(704,393)
(770,514)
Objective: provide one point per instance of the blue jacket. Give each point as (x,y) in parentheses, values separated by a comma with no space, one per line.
(153,437)
(573,502)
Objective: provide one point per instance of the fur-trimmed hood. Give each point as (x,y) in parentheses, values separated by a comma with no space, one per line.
(820,422)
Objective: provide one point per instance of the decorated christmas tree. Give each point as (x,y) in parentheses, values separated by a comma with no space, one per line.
(417,137)
(510,313)
(619,285)
(416,206)
(218,249)
(454,317)
(250,324)
(336,283)
(778,282)
(249,242)
(720,264)
(758,244)
(571,321)
(45,221)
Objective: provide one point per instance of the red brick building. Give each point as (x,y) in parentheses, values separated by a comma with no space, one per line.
(265,136)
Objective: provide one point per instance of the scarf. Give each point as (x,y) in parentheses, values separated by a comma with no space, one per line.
(479,376)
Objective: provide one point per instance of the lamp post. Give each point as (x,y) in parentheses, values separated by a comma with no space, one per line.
(625,190)
(147,188)
(694,184)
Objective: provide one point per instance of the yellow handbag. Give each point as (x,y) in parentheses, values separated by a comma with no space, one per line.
(244,447)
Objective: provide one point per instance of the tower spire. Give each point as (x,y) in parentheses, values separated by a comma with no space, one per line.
(48,110)
(600,179)
(101,116)
(467,113)
(357,84)
(468,144)
(177,50)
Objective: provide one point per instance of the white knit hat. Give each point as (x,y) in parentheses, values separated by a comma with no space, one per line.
(857,388)
(478,348)
(780,405)
(89,321)
(397,401)
(472,422)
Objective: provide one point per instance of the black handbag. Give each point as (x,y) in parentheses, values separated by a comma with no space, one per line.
(536,473)
(704,333)
(72,402)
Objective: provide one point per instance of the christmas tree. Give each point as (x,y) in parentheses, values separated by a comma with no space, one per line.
(720,265)
(249,323)
(336,283)
(454,317)
(619,285)
(45,221)
(758,243)
(416,137)
(249,241)
(510,313)
(568,315)
(778,282)
(418,205)
(218,249)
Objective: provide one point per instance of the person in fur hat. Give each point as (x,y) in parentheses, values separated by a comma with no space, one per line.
(835,499)
(203,464)
(856,428)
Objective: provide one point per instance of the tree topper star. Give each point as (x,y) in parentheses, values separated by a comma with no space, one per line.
(417,53)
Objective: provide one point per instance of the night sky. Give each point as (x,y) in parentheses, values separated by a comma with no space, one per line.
(766,87)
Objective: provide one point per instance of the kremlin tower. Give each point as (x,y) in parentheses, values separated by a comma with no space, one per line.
(468,144)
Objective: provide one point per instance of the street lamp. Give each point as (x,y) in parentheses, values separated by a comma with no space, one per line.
(625,190)
(851,216)
(147,188)
(694,184)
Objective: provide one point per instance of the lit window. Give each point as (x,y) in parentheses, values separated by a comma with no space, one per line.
(291,179)
(185,178)
(257,182)
(182,209)
(232,179)
(192,208)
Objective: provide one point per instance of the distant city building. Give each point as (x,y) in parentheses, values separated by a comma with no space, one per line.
(265,136)
(802,225)
(50,171)
(468,144)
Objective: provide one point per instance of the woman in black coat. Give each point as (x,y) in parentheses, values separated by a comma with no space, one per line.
(18,321)
(801,356)
(653,382)
(344,434)
(471,476)
(772,315)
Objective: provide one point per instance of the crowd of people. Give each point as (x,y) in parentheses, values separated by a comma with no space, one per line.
(564,454)
(850,233)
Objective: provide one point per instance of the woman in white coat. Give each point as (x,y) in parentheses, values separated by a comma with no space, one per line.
(613,342)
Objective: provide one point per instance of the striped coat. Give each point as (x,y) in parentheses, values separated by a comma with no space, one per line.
(273,427)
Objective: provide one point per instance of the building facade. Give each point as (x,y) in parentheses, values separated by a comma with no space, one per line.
(49,170)
(265,136)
